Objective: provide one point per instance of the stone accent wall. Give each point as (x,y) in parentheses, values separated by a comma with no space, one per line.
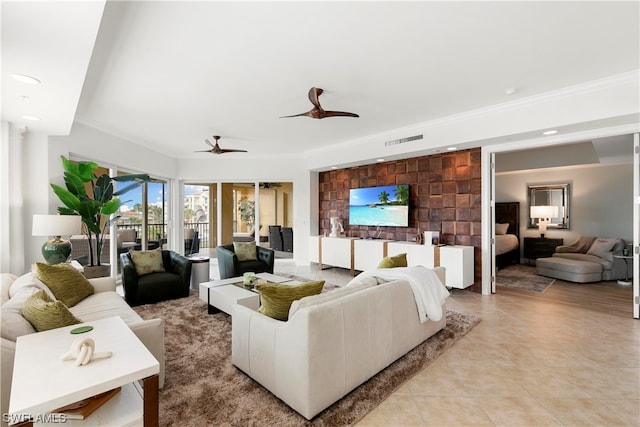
(444,194)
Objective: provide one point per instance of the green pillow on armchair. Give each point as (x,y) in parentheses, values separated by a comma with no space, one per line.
(170,280)
(231,264)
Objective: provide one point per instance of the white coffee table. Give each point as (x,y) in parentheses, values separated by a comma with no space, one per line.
(42,382)
(221,295)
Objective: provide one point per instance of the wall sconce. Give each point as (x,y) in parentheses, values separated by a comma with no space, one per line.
(56,250)
(544,215)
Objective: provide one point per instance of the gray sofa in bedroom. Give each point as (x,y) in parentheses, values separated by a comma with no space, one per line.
(588,259)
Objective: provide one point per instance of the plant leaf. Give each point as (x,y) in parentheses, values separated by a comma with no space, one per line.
(67,198)
(111,207)
(141,177)
(74,184)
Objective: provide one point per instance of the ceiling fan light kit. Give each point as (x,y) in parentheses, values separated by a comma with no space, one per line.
(317,112)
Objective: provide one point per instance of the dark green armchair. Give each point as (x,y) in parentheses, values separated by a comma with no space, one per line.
(150,288)
(230,266)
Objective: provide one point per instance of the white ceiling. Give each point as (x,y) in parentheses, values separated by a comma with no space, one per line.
(167,75)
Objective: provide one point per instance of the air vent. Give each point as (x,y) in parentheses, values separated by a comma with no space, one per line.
(403,140)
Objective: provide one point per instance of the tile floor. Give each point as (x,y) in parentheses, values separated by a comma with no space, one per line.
(526,364)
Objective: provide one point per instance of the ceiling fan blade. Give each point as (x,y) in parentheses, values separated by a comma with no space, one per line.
(317,112)
(339,114)
(231,150)
(296,115)
(314,93)
(203,151)
(209,142)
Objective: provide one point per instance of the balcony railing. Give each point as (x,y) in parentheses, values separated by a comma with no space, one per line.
(156,231)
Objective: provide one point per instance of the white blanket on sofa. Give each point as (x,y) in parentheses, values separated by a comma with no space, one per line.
(427,289)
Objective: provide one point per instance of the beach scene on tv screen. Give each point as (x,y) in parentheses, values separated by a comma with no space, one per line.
(384,206)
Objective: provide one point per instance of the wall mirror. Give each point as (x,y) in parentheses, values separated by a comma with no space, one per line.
(553,196)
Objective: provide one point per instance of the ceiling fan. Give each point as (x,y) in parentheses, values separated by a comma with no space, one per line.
(215,148)
(317,112)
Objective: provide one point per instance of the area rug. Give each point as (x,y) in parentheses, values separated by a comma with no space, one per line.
(522,277)
(203,388)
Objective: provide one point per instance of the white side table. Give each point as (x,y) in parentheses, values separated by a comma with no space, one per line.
(458,260)
(42,382)
(626,259)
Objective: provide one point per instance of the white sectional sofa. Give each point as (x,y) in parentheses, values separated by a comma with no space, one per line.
(105,302)
(332,342)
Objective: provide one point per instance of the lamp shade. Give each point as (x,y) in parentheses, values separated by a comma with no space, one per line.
(56,225)
(544,211)
(56,250)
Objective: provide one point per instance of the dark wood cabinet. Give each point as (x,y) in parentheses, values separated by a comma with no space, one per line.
(537,247)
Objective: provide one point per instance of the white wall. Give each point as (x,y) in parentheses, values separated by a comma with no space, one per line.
(601,199)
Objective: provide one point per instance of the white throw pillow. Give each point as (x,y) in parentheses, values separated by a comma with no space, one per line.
(502,228)
(29,280)
(14,324)
(602,246)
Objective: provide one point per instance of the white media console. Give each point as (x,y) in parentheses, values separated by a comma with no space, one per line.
(358,254)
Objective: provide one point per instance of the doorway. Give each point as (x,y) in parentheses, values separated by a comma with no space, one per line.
(602,197)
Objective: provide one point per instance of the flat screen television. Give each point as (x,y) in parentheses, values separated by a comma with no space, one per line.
(386,205)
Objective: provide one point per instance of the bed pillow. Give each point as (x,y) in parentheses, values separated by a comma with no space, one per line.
(502,228)
(276,298)
(147,262)
(45,314)
(66,283)
(246,251)
(399,260)
(602,246)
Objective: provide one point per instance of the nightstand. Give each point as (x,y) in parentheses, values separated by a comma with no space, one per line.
(537,247)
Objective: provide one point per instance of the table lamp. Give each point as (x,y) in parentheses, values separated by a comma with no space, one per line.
(56,250)
(544,215)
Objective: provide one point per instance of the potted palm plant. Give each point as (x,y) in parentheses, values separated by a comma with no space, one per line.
(247,212)
(94,199)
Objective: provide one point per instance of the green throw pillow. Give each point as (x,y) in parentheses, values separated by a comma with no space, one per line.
(399,260)
(147,262)
(276,298)
(44,313)
(67,284)
(246,251)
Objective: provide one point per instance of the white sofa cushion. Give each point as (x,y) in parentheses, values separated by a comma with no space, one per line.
(6,280)
(330,295)
(102,305)
(606,263)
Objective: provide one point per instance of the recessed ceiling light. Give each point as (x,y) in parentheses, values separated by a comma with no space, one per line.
(23,78)
(452,148)
(550,132)
(510,91)
(380,160)
(33,118)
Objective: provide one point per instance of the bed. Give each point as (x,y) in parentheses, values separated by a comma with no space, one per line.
(507,237)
